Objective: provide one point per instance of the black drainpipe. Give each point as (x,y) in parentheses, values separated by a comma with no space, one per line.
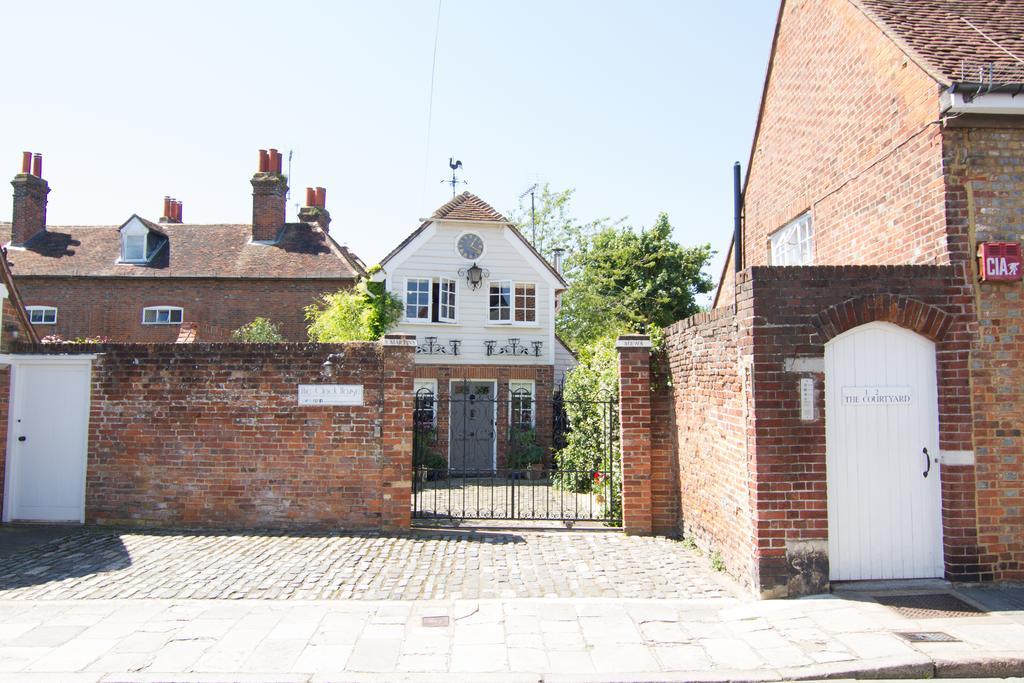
(737,228)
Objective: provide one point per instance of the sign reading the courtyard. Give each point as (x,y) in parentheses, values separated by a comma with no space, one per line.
(330,394)
(877,396)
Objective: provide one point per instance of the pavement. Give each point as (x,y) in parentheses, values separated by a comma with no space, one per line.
(699,627)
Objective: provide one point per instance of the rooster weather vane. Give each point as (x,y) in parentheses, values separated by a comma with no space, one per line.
(454,181)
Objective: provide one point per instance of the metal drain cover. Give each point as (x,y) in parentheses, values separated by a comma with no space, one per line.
(435,622)
(928,605)
(928,637)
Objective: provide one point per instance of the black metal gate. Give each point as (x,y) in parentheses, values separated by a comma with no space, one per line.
(484,452)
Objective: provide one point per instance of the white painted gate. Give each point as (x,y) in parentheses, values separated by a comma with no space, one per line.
(881,417)
(47,439)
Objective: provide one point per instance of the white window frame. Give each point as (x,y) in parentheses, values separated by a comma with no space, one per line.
(531,386)
(430,299)
(431,384)
(793,243)
(511,302)
(128,235)
(169,310)
(454,317)
(515,303)
(43,310)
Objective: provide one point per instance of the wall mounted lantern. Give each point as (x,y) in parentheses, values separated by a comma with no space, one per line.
(327,367)
(474,275)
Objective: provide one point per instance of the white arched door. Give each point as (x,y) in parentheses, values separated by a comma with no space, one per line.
(881,419)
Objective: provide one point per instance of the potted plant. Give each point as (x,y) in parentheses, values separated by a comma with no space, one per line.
(524,453)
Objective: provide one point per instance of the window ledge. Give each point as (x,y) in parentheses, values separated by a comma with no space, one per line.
(513,326)
(427,323)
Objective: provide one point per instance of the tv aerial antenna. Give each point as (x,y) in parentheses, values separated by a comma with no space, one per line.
(454,181)
(532,191)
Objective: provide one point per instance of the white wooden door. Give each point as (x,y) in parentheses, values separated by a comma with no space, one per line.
(881,416)
(47,441)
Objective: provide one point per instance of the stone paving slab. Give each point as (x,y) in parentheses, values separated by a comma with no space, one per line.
(105,564)
(170,640)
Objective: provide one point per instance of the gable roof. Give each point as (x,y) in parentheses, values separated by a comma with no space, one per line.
(956,40)
(191,251)
(468,207)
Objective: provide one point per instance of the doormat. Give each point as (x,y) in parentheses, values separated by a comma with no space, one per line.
(928,606)
(928,637)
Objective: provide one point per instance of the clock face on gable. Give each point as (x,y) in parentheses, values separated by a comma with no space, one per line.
(470,246)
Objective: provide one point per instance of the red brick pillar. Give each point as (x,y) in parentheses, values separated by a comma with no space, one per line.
(635,432)
(396,431)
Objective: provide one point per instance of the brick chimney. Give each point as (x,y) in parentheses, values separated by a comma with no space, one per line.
(269,188)
(315,210)
(30,190)
(172,211)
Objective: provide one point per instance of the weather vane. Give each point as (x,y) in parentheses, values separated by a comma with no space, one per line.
(455,165)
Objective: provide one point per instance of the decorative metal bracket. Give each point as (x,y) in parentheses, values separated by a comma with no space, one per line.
(432,348)
(514,347)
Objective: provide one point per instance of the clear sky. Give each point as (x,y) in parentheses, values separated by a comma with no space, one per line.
(641,106)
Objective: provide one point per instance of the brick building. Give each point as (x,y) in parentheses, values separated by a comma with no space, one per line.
(852,407)
(142,280)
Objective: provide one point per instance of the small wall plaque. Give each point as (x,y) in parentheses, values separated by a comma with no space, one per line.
(330,394)
(807,398)
(1000,261)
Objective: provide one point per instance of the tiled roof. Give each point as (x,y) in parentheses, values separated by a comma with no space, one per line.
(956,39)
(303,252)
(468,207)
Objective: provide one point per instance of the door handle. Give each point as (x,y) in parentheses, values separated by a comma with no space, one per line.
(927,462)
(22,438)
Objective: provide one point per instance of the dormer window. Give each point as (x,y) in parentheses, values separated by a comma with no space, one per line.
(134,248)
(140,240)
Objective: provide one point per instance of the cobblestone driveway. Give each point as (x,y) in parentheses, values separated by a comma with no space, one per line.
(424,565)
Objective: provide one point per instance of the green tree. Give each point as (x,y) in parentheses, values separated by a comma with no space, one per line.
(260,330)
(556,227)
(623,280)
(364,313)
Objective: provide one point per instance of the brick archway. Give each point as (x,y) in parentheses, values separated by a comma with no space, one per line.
(913,314)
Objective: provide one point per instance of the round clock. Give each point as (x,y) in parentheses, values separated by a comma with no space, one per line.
(471,246)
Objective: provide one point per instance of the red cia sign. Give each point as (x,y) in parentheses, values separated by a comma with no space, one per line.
(1000,261)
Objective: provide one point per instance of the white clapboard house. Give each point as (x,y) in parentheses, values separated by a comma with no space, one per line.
(481,303)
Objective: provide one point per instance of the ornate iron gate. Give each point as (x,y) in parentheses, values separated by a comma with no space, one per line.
(480,453)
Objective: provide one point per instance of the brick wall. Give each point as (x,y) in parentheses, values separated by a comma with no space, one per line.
(746,457)
(210,435)
(985,201)
(837,84)
(635,433)
(112,307)
(705,356)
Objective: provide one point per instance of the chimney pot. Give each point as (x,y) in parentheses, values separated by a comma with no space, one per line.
(167,209)
(37,165)
(264,161)
(274,160)
(177,210)
(26,162)
(310,196)
(321,197)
